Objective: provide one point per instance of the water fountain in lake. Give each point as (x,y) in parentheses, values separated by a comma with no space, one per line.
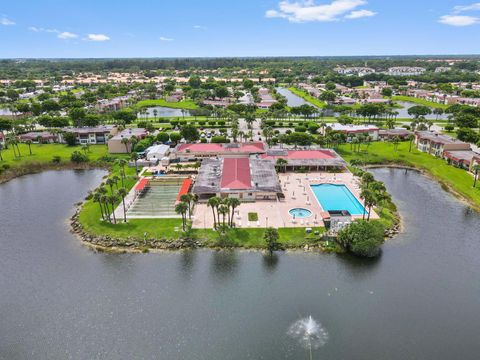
(310,334)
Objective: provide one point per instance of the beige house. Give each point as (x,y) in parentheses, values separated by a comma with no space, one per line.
(121,144)
(436,144)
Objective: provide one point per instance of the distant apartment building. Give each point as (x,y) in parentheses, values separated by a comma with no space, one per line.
(266,99)
(115,104)
(42,137)
(357,70)
(436,144)
(353,130)
(405,71)
(90,135)
(442,69)
(390,134)
(465,159)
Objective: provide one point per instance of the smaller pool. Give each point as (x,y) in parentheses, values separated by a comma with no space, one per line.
(300,213)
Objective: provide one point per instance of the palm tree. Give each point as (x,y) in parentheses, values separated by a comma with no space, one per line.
(123,192)
(411,137)
(234,203)
(115,179)
(112,199)
(182,208)
(188,199)
(110,182)
(476,168)
(104,200)
(367,196)
(29,143)
(122,163)
(214,202)
(223,209)
(134,157)
(97,197)
(126,141)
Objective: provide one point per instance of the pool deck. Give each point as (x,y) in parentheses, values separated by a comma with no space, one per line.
(298,194)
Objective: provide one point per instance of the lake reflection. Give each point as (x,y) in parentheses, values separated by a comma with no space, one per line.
(59,300)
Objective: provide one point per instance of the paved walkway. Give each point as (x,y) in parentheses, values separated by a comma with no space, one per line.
(298,194)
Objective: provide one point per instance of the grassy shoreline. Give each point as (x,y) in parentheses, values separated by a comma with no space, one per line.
(457,181)
(186,105)
(307,97)
(418,101)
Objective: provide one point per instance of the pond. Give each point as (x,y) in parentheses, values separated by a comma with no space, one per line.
(164,112)
(403,112)
(292,99)
(61,300)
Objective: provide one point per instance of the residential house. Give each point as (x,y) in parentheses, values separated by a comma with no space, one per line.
(436,144)
(353,130)
(90,135)
(39,137)
(117,144)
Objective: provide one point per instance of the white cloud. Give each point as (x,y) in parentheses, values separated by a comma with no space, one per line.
(360,14)
(97,37)
(37,29)
(463,8)
(67,35)
(459,20)
(163,38)
(200,27)
(306,10)
(4,20)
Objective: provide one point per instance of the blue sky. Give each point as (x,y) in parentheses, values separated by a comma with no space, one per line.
(207,28)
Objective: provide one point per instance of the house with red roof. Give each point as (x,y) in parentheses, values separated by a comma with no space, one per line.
(195,151)
(313,160)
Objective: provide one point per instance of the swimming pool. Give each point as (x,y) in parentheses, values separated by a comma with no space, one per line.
(300,213)
(337,197)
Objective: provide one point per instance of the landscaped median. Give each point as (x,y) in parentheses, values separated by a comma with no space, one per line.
(307,97)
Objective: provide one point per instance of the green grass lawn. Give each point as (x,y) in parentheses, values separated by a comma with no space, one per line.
(187,104)
(307,97)
(383,153)
(419,101)
(253,238)
(44,153)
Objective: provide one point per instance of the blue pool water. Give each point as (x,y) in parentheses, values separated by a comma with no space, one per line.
(300,213)
(337,197)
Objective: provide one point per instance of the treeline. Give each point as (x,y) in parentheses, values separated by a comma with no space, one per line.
(35,68)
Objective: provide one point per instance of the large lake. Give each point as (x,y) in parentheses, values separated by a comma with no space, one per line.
(60,300)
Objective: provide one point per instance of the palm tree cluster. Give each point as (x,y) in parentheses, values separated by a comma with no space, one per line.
(185,208)
(225,207)
(373,193)
(106,199)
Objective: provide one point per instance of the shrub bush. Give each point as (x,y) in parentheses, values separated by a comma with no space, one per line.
(78,157)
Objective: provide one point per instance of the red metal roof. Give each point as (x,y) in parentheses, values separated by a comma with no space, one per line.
(303,154)
(236,174)
(141,184)
(184,188)
(253,147)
